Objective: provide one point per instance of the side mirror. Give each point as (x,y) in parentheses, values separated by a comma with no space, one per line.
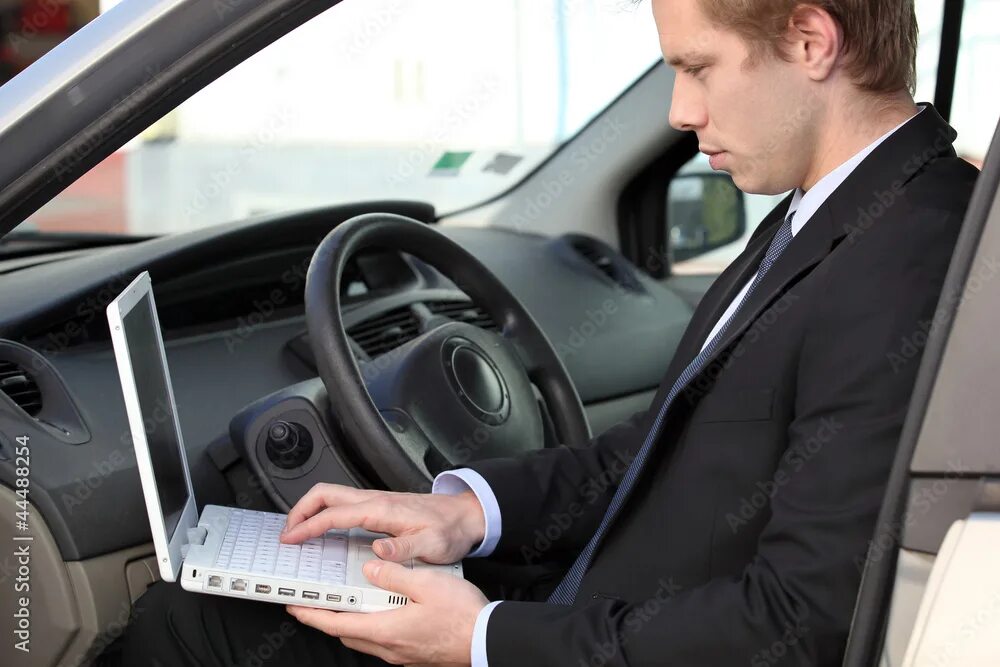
(705,211)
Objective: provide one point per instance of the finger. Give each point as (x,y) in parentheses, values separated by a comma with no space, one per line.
(371,515)
(405,547)
(371,648)
(338,623)
(319,497)
(398,579)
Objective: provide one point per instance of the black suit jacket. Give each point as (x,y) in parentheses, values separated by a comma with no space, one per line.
(743,541)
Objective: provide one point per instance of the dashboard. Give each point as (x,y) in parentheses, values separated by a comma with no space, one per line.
(231,305)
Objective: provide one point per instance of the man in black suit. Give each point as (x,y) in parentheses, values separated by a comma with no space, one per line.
(728,522)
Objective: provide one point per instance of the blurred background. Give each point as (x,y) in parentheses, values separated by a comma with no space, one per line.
(446,101)
(29,28)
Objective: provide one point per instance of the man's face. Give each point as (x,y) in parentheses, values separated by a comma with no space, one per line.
(757,121)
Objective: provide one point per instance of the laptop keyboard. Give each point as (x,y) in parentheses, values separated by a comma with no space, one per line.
(251,545)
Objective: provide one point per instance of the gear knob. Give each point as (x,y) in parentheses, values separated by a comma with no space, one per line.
(288,444)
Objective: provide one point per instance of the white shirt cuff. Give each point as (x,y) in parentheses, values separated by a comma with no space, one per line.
(479,658)
(453,482)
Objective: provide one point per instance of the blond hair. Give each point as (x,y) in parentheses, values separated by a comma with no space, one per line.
(880,36)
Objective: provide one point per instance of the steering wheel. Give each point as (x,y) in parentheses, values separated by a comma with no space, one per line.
(453,394)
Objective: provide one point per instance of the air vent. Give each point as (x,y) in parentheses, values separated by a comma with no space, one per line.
(21,387)
(607,261)
(384,332)
(398,600)
(595,257)
(463,311)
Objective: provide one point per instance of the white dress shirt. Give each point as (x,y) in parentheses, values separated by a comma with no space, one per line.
(803,205)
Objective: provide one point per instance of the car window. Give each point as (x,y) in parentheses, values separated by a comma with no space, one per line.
(976,103)
(30,28)
(929,17)
(449,102)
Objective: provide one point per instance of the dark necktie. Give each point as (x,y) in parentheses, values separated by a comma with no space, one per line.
(565,593)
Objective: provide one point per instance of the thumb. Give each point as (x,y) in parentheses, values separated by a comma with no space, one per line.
(393,577)
(401,547)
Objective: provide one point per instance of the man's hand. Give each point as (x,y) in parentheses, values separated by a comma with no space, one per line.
(434,628)
(435,528)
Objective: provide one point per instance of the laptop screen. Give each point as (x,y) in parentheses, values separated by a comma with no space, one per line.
(143,341)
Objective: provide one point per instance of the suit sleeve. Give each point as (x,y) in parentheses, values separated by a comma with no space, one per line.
(793,603)
(552,500)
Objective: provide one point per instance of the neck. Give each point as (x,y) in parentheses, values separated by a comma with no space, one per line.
(849,128)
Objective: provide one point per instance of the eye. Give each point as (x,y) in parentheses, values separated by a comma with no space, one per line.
(694,70)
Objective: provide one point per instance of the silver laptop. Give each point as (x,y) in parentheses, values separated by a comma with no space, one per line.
(225,551)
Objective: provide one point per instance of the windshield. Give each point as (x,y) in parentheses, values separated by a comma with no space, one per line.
(449,102)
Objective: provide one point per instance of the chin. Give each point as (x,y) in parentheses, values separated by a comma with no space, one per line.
(755,187)
(747,185)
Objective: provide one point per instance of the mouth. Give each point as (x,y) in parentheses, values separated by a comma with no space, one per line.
(715,157)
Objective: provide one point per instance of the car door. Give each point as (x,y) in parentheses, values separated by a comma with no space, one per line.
(930,593)
(931,586)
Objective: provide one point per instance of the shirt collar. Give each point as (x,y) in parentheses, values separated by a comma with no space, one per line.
(805,204)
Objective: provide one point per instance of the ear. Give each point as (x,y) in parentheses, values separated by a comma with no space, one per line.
(815,40)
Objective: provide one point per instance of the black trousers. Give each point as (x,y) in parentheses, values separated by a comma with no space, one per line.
(173,627)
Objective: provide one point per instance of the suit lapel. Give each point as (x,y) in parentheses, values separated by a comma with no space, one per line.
(806,249)
(803,252)
(720,295)
(810,246)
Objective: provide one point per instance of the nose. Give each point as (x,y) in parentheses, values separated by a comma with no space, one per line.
(687,109)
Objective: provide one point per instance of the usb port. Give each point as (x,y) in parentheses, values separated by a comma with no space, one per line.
(333,597)
(262,588)
(310,595)
(215,581)
(238,585)
(286,591)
